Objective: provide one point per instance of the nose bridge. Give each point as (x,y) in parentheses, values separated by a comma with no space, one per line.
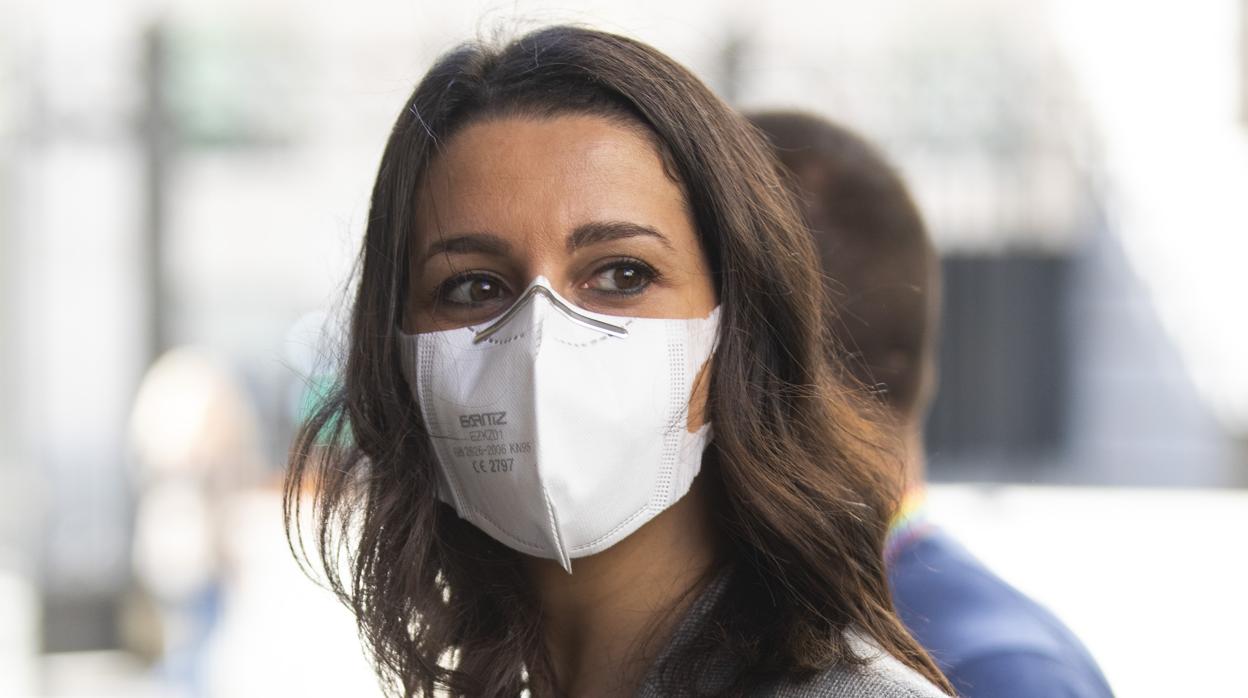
(537,303)
(538,312)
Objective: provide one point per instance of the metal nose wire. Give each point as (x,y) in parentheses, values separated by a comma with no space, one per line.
(572,313)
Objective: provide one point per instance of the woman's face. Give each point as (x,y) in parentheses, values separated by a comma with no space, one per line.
(582,200)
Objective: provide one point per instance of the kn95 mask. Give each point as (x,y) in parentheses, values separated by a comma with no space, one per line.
(560,431)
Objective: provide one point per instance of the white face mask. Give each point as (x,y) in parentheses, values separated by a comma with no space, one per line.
(559,431)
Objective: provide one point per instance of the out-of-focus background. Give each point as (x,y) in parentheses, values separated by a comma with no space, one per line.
(183,186)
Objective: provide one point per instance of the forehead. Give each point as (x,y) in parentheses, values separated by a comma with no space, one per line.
(545,175)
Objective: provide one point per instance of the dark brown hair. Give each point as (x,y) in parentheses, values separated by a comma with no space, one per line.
(879,262)
(802,492)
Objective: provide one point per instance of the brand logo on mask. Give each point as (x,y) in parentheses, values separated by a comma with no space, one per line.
(483,419)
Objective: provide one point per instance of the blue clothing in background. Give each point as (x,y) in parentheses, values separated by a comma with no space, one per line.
(986,636)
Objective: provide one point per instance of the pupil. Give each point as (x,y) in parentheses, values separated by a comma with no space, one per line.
(481,290)
(626,278)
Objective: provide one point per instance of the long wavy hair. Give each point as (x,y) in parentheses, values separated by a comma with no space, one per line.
(803,482)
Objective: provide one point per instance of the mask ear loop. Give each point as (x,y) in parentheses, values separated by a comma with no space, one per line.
(555,300)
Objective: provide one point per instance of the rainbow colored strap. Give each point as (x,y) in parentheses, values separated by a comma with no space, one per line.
(909,524)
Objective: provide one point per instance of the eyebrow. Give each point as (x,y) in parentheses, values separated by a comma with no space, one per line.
(605,231)
(584,235)
(468,243)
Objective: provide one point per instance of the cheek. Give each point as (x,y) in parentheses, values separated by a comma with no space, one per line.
(414,316)
(690,281)
(699,297)
(700,286)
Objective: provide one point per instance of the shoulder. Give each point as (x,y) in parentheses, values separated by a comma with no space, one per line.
(981,631)
(880,676)
(877,675)
(1026,675)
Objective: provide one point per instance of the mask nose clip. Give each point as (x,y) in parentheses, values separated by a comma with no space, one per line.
(539,288)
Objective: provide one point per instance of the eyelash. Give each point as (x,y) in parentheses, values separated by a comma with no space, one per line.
(443,291)
(650,274)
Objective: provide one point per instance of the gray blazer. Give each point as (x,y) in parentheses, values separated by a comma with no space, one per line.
(882,676)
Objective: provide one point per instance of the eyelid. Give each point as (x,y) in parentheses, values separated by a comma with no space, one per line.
(441,291)
(652,275)
(623,261)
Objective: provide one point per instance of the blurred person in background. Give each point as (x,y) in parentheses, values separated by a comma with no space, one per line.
(883,278)
(196,440)
(578,260)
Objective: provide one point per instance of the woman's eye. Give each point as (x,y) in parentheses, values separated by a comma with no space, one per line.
(471,290)
(622,277)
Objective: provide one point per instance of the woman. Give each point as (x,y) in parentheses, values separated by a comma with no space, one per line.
(587,441)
